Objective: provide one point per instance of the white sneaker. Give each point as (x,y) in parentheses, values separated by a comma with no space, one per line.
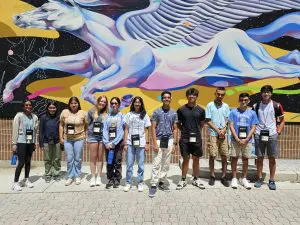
(246,184)
(69,182)
(77,180)
(127,187)
(28,184)
(234,183)
(16,187)
(140,187)
(98,181)
(198,183)
(93,182)
(181,185)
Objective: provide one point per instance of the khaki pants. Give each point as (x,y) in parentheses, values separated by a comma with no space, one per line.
(52,157)
(161,163)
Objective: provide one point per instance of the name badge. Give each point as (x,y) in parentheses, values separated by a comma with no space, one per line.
(70,129)
(29,136)
(135,139)
(193,138)
(164,142)
(264,135)
(97,129)
(243,132)
(112,133)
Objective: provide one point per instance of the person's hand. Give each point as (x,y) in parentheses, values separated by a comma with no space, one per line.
(147,147)
(14,149)
(61,141)
(239,141)
(42,148)
(125,148)
(109,146)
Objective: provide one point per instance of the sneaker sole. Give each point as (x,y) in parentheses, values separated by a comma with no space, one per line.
(201,186)
(234,188)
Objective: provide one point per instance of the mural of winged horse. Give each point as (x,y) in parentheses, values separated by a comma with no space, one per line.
(135,50)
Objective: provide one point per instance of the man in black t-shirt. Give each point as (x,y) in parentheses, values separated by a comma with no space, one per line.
(191,119)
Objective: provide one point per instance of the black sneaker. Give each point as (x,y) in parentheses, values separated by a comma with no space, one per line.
(211,181)
(48,179)
(225,182)
(109,184)
(163,187)
(152,191)
(116,185)
(57,178)
(272,185)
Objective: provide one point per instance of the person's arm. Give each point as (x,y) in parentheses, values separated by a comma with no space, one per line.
(281,125)
(105,133)
(15,134)
(147,138)
(85,121)
(42,132)
(253,127)
(234,134)
(125,137)
(61,128)
(175,136)
(153,132)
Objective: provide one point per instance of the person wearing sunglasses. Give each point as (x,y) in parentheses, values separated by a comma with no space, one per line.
(25,126)
(113,132)
(242,123)
(217,113)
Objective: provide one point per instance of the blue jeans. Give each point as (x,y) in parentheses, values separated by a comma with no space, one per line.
(73,151)
(139,154)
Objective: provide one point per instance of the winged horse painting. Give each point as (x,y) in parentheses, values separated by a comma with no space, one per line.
(171,44)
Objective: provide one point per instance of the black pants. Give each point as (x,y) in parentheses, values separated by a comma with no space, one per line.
(114,171)
(24,152)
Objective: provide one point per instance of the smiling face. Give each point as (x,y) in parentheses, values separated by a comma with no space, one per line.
(54,15)
(27,107)
(137,105)
(52,109)
(101,104)
(74,106)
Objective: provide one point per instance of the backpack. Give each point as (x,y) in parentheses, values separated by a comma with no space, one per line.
(277,109)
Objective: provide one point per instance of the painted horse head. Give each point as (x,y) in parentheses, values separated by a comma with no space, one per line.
(53,15)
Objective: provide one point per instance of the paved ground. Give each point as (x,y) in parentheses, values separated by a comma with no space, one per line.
(56,204)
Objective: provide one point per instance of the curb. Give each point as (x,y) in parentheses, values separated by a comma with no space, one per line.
(291,176)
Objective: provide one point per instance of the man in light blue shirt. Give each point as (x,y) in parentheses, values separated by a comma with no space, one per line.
(217,113)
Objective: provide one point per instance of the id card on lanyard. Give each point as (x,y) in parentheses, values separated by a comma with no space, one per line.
(192,137)
(264,135)
(135,140)
(70,129)
(29,136)
(97,129)
(112,131)
(243,132)
(164,142)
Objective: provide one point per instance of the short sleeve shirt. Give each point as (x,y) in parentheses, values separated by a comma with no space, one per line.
(245,118)
(218,116)
(190,118)
(164,122)
(79,120)
(136,125)
(267,119)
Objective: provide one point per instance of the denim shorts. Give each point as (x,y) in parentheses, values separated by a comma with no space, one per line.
(93,139)
(270,146)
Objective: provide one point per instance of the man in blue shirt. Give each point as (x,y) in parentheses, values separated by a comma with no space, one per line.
(242,123)
(217,113)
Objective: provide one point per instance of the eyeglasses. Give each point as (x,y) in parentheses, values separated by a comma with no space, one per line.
(114,103)
(244,100)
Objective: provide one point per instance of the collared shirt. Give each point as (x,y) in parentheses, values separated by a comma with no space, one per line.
(164,122)
(218,114)
(113,120)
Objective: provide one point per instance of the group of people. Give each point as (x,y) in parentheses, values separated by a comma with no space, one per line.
(109,131)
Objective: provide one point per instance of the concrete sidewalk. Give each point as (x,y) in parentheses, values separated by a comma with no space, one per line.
(287,170)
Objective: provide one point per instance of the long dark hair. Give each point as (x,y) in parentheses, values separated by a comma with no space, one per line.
(74,98)
(25,101)
(142,110)
(47,111)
